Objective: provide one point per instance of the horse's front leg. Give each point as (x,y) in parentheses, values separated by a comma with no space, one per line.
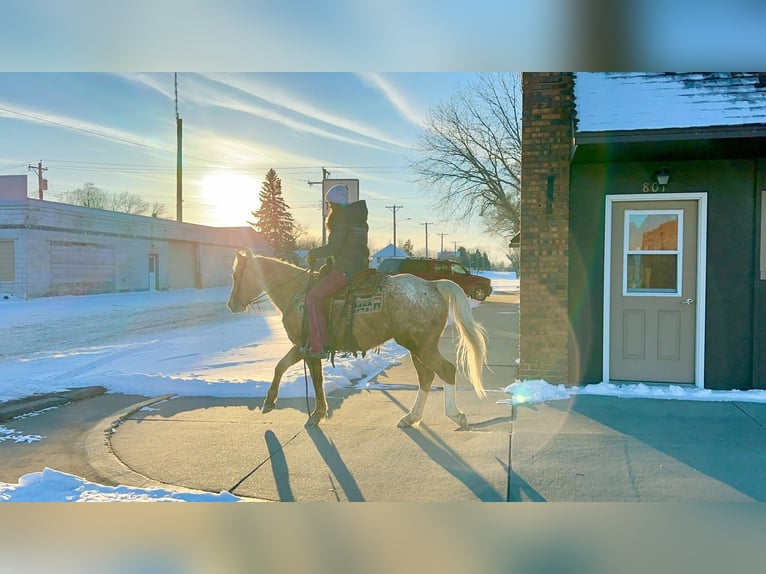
(320,401)
(292,357)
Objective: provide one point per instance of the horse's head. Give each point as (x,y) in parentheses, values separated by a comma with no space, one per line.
(245,286)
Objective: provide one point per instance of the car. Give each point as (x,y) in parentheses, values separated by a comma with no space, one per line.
(475,286)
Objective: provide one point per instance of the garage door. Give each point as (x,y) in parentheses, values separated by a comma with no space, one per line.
(7,261)
(182,264)
(81,268)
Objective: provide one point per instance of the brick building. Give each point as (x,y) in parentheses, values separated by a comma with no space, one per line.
(643,256)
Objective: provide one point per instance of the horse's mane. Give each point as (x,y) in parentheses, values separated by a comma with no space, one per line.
(248,253)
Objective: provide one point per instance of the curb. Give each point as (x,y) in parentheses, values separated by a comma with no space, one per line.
(108,467)
(11,409)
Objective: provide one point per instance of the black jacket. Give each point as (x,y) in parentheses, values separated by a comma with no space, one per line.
(347,239)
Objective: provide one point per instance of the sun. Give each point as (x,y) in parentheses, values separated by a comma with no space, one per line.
(229,198)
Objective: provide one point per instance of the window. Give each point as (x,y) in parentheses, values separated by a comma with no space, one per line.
(458,269)
(7,261)
(652,263)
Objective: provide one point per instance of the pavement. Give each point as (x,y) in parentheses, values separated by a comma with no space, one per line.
(586,448)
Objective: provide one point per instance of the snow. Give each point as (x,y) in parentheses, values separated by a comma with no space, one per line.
(187,343)
(539,391)
(641,100)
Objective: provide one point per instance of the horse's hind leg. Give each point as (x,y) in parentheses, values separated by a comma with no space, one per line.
(320,401)
(425,378)
(447,371)
(292,357)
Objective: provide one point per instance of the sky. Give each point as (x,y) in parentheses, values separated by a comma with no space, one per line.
(118,131)
(211,355)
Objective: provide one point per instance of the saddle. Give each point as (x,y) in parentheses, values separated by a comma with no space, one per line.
(360,296)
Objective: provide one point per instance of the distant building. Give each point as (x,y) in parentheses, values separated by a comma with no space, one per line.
(49,248)
(385,253)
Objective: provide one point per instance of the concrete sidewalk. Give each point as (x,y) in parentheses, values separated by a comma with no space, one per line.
(586,448)
(357,454)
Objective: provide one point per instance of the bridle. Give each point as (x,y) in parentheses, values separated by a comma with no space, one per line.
(263,294)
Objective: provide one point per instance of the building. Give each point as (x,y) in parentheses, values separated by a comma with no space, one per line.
(385,253)
(49,248)
(642,207)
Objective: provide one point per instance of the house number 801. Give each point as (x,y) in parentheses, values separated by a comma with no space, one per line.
(652,187)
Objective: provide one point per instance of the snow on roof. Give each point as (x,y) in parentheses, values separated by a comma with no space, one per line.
(613,101)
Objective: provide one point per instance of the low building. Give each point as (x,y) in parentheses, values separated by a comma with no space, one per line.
(388,251)
(49,248)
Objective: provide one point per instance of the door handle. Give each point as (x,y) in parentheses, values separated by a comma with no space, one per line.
(687,301)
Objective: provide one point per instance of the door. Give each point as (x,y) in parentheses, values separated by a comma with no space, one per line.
(153,271)
(653,324)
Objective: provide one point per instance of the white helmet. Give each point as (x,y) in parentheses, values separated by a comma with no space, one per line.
(338,194)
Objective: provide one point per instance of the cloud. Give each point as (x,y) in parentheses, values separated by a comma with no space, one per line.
(394,96)
(15,112)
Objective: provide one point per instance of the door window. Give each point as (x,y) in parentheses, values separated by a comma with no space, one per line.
(653,258)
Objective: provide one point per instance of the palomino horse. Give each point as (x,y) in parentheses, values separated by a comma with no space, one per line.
(414,313)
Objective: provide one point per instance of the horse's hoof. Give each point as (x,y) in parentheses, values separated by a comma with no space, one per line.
(313,421)
(267,408)
(405,422)
(461,420)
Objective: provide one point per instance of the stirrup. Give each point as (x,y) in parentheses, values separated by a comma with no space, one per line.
(324,354)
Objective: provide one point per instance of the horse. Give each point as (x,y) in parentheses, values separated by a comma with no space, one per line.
(414,312)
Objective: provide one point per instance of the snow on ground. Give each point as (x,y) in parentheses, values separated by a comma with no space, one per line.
(528,392)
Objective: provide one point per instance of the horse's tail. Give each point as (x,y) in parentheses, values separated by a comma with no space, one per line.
(472,344)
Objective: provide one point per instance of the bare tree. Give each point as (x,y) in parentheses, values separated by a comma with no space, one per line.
(126,202)
(159,210)
(91,196)
(87,196)
(470,153)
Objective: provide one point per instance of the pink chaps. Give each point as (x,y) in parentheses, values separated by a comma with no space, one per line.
(315,307)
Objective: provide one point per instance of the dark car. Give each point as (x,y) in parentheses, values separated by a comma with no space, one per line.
(475,286)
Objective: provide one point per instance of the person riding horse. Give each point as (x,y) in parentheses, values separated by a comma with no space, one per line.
(347,254)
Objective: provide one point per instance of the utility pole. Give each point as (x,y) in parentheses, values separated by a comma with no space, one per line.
(441,249)
(394,208)
(179,130)
(325,175)
(42,183)
(454,248)
(427,223)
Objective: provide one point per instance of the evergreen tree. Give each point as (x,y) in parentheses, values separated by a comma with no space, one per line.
(408,247)
(273,220)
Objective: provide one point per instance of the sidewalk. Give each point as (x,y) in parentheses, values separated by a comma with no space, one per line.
(586,448)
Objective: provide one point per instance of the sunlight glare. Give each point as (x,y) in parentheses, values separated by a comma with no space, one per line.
(231,198)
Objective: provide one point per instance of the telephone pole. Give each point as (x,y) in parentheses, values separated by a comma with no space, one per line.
(325,175)
(393,208)
(427,223)
(42,183)
(179,130)
(441,249)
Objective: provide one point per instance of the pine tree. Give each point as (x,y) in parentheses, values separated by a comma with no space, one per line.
(273,220)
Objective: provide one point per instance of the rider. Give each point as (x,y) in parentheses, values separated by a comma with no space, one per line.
(347,253)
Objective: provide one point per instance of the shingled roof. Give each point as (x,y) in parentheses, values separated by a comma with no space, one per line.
(624,101)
